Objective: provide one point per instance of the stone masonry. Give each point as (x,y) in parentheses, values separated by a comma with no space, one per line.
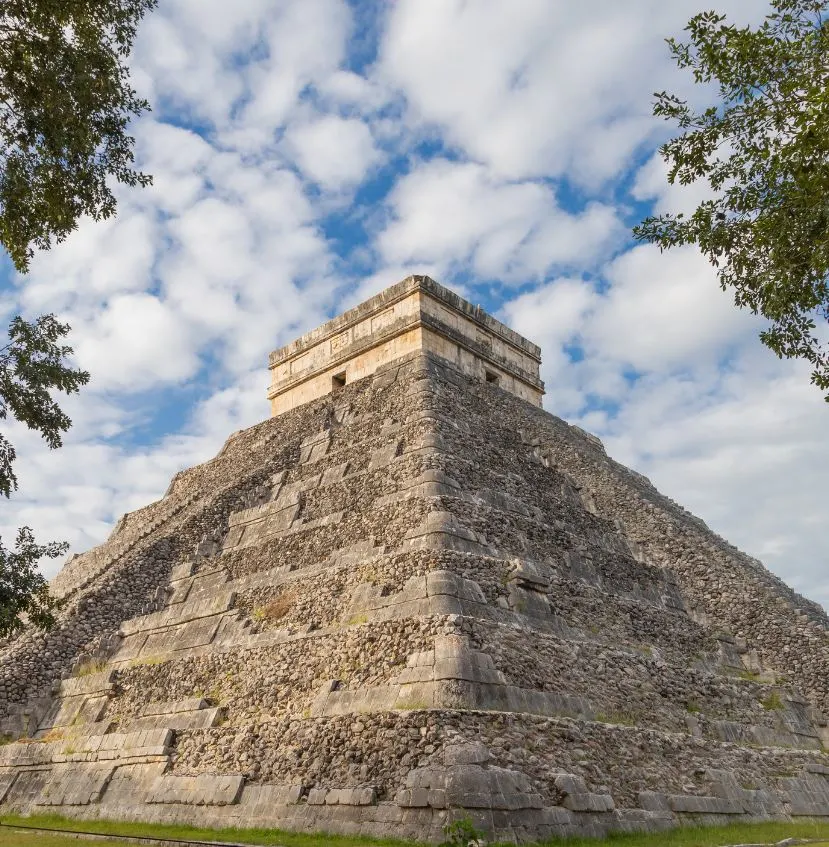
(414,597)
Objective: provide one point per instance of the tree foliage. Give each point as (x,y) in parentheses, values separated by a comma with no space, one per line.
(764,149)
(32,365)
(65,103)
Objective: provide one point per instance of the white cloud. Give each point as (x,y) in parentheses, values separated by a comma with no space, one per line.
(334,152)
(548,88)
(135,343)
(449,214)
(651,184)
(665,310)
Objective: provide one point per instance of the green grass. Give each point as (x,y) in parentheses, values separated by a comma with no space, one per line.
(762,833)
(15,838)
(248,836)
(91,667)
(686,837)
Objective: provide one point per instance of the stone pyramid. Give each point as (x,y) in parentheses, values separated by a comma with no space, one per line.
(413,595)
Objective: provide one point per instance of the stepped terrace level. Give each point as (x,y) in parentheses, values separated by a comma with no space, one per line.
(415,315)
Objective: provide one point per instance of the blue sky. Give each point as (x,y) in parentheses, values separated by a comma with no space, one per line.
(307,153)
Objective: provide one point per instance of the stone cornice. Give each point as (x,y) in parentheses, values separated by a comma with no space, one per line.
(388,298)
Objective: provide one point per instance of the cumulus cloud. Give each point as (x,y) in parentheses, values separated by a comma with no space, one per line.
(334,152)
(550,88)
(452,214)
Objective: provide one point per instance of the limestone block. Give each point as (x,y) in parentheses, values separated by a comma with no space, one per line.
(233,537)
(588,802)
(454,659)
(363,797)
(181,571)
(64,712)
(438,476)
(653,801)
(807,806)
(249,515)
(502,501)
(428,777)
(191,610)
(192,634)
(315,447)
(410,798)
(75,785)
(334,474)
(472,753)
(449,583)
(130,783)
(180,590)
(280,520)
(384,456)
(7,779)
(22,754)
(452,646)
(90,684)
(201,790)
(316,796)
(409,676)
(130,647)
(200,719)
(568,783)
(26,789)
(415,696)
(258,799)
(129,743)
(814,767)
(692,804)
(530,575)
(189,704)
(422,658)
(92,710)
(350,797)
(528,601)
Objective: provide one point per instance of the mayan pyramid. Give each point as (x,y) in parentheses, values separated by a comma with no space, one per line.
(412,595)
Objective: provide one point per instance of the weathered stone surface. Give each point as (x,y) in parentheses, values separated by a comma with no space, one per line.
(201,790)
(413,598)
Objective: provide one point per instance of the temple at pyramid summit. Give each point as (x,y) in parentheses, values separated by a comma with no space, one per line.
(412,595)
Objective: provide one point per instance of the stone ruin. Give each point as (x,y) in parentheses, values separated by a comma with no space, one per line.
(413,595)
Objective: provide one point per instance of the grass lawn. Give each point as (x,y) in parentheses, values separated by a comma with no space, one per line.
(689,837)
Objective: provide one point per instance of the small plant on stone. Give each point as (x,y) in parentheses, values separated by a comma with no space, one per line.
(274,610)
(692,707)
(357,619)
(147,660)
(772,702)
(462,833)
(620,718)
(91,667)
(753,676)
(53,735)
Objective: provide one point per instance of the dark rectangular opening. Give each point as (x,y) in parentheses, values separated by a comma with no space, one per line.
(491,377)
(338,381)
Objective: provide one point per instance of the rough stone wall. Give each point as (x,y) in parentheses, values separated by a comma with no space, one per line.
(415,598)
(726,588)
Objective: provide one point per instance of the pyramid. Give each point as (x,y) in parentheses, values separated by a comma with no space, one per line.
(412,595)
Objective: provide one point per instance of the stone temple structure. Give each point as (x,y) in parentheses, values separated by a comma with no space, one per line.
(412,595)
